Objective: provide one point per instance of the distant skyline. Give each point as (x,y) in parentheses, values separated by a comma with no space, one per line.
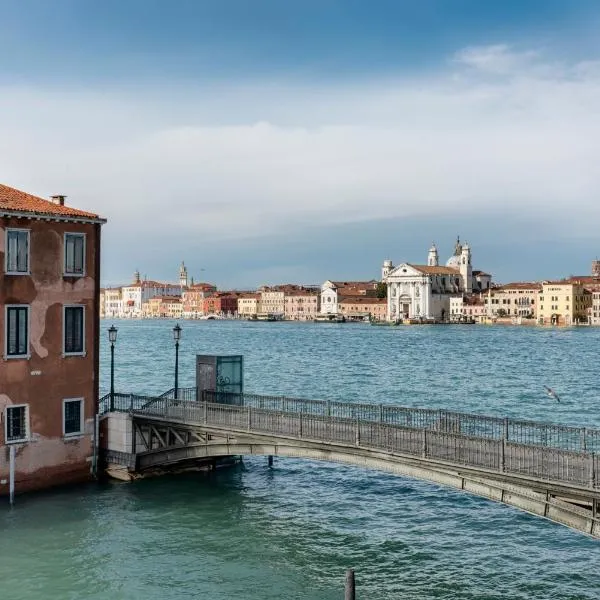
(271,142)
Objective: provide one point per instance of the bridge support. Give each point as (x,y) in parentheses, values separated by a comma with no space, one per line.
(270,460)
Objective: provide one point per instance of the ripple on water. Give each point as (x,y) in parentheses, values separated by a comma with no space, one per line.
(256,533)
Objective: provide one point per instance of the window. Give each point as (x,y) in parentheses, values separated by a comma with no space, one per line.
(17,251)
(74,254)
(17,331)
(74,330)
(73,417)
(16,424)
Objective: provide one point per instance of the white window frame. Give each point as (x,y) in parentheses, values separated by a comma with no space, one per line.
(20,440)
(27,355)
(64,330)
(81,235)
(6,271)
(81,417)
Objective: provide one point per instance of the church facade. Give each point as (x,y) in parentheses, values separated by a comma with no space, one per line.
(424,291)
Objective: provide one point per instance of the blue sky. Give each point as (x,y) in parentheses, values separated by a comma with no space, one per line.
(276,141)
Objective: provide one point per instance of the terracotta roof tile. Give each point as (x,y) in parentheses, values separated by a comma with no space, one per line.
(18,201)
(435,270)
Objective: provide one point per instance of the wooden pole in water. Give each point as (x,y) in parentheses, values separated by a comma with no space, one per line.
(11,475)
(350,592)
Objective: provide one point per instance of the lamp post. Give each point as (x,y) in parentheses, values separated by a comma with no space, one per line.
(176,337)
(112,338)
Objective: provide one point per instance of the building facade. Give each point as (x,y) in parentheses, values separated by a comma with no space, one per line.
(424,291)
(564,303)
(519,299)
(248,304)
(301,305)
(49,324)
(332,291)
(221,303)
(363,307)
(135,294)
(193,297)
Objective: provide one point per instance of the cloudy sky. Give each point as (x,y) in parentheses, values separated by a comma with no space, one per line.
(267,141)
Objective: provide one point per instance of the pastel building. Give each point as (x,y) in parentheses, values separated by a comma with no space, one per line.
(332,291)
(49,333)
(301,304)
(519,299)
(363,307)
(564,303)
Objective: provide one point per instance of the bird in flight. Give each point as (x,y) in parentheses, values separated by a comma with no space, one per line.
(551,393)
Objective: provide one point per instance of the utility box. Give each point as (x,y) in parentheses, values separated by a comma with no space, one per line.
(220,374)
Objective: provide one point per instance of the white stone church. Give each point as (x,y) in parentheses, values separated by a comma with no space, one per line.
(424,291)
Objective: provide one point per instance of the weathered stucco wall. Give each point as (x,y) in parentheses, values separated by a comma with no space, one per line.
(47,378)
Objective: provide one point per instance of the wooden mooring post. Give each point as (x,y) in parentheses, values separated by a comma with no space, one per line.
(350,588)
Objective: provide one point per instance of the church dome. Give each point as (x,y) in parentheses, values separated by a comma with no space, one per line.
(453,262)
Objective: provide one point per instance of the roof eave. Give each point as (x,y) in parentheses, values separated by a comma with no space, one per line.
(51,216)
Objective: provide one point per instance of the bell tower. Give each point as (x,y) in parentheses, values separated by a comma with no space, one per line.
(183,275)
(466,270)
(388,265)
(433,259)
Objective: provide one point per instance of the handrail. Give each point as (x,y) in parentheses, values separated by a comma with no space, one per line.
(570,467)
(518,431)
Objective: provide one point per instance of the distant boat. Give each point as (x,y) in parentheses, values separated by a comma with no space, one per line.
(330,319)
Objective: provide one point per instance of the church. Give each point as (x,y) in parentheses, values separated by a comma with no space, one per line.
(424,291)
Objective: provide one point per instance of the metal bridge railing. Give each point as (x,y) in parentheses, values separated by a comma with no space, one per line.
(580,468)
(481,426)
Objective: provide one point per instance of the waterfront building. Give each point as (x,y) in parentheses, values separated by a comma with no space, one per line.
(221,303)
(272,301)
(113,303)
(193,297)
(49,324)
(424,291)
(363,307)
(162,307)
(467,308)
(248,304)
(301,304)
(101,301)
(564,303)
(519,299)
(332,291)
(140,291)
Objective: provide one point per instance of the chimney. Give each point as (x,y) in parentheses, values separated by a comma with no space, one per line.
(58,199)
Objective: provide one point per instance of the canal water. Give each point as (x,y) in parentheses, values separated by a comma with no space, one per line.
(289,532)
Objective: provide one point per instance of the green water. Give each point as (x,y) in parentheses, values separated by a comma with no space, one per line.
(251,532)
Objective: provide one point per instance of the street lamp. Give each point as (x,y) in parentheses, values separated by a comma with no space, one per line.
(176,337)
(112,338)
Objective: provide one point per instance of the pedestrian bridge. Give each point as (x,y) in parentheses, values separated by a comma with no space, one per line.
(552,471)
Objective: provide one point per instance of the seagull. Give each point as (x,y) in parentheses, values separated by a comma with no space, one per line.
(551,393)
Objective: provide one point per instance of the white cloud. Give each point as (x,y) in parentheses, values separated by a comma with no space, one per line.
(229,161)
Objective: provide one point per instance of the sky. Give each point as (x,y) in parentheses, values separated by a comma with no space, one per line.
(265,141)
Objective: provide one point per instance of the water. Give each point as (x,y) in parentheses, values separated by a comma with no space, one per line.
(254,533)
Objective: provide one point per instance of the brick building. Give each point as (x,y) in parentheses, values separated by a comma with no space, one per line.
(49,331)
(221,303)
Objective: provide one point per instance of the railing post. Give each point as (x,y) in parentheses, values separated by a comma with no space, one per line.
(503,450)
(424,449)
(593,469)
(381,413)
(249,417)
(301,433)
(357,431)
(583,439)
(130,402)
(328,408)
(205,411)
(505,433)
